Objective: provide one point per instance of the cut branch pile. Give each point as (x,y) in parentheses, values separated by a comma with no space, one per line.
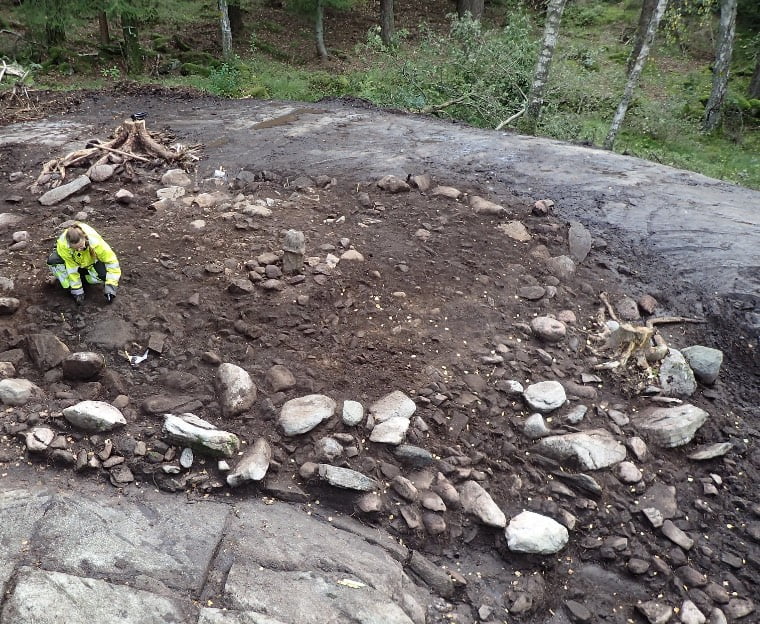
(131,143)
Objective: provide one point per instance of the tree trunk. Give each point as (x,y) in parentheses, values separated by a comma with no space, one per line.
(224,20)
(722,67)
(104,34)
(633,76)
(647,10)
(541,74)
(473,7)
(386,21)
(754,84)
(236,19)
(319,29)
(132,51)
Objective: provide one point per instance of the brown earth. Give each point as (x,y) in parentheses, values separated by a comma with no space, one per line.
(433,311)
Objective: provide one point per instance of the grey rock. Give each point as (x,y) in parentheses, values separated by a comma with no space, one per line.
(391,431)
(327,450)
(655,612)
(662,498)
(562,267)
(530,532)
(353,413)
(430,500)
(18,391)
(392,184)
(111,332)
(480,205)
(535,427)
(186,458)
(404,488)
(237,392)
(8,305)
(58,194)
(50,597)
(347,479)
(433,575)
(94,416)
(591,450)
(280,378)
(176,177)
(548,329)
(580,241)
(690,614)
(189,430)
(671,426)
(627,472)
(253,465)
(738,608)
(545,396)
(704,362)
(301,415)
(83,365)
(395,404)
(711,451)
(100,173)
(676,535)
(39,439)
(46,350)
(413,455)
(676,377)
(477,502)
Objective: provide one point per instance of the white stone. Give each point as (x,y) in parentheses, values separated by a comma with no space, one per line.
(545,396)
(300,415)
(94,416)
(395,404)
(530,532)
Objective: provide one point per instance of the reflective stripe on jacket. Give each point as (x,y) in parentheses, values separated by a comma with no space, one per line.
(97,249)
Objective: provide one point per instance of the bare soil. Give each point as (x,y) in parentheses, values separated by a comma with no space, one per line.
(432,311)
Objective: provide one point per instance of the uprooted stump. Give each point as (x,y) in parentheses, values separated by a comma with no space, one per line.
(131,143)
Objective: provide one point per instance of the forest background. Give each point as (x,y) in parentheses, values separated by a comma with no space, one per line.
(468,60)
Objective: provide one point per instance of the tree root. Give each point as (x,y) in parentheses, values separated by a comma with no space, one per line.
(131,143)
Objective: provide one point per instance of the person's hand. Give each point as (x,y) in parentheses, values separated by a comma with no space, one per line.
(79,299)
(110,292)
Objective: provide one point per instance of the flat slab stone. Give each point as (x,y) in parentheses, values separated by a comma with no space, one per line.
(42,597)
(20,511)
(111,332)
(127,543)
(671,426)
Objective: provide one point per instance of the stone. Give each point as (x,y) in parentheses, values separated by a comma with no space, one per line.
(94,416)
(591,450)
(480,205)
(353,413)
(515,230)
(58,194)
(236,389)
(676,377)
(676,535)
(83,365)
(46,350)
(562,267)
(301,415)
(671,426)
(704,362)
(627,472)
(395,404)
(477,502)
(8,305)
(393,184)
(18,391)
(189,430)
(39,439)
(391,431)
(711,451)
(346,478)
(253,465)
(655,612)
(447,191)
(545,396)
(280,378)
(548,329)
(579,241)
(530,532)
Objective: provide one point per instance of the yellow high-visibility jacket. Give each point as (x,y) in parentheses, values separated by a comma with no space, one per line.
(97,249)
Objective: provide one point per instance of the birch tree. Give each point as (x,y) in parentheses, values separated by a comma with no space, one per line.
(541,74)
(316,9)
(647,9)
(721,67)
(754,85)
(634,74)
(224,20)
(473,7)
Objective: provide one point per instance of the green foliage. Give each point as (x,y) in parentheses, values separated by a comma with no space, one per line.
(309,7)
(467,73)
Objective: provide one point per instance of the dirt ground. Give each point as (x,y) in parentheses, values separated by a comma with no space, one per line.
(433,310)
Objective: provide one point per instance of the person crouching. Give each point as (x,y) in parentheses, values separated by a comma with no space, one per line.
(81,251)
